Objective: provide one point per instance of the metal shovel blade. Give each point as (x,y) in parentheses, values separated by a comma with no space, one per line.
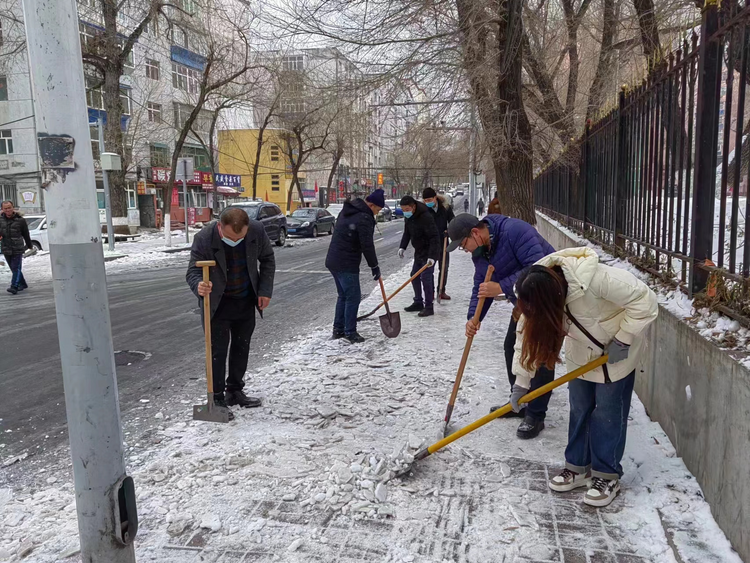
(210,412)
(391,324)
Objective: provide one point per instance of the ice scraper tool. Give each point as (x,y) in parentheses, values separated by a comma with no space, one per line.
(423,453)
(392,295)
(390,322)
(209,412)
(465,357)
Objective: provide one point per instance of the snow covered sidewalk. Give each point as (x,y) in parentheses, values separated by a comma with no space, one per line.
(298,480)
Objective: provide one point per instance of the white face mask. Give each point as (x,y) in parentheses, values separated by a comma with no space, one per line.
(229,241)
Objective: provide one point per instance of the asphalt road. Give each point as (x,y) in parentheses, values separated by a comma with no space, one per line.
(153,311)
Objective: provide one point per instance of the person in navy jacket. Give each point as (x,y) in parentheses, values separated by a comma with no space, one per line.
(510,245)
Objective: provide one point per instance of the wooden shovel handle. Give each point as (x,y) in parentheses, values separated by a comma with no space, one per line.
(442,265)
(392,295)
(206,265)
(385,299)
(467,349)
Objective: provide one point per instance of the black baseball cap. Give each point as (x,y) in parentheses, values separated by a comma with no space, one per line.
(460,228)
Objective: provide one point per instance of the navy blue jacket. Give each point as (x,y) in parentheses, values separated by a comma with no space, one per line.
(514,246)
(352,237)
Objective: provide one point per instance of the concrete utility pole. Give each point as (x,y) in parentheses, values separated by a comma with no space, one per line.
(105,499)
(107,198)
(472,166)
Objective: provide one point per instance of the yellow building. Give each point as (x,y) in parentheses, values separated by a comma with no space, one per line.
(237,152)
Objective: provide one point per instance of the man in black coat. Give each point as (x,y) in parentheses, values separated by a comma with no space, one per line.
(353,238)
(15,240)
(421,231)
(241,282)
(443,214)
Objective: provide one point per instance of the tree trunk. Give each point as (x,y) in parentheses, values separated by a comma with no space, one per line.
(603,76)
(336,159)
(256,164)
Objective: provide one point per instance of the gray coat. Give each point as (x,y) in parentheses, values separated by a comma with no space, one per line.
(261,263)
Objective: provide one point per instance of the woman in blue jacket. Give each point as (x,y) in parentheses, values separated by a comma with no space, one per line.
(510,245)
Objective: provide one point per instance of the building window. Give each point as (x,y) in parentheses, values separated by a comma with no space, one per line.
(275,183)
(6,141)
(195,198)
(125,99)
(181,114)
(94,98)
(160,157)
(185,78)
(154,112)
(152,69)
(94,135)
(203,121)
(295,62)
(8,193)
(274,153)
(199,156)
(3,88)
(129,65)
(1,32)
(292,107)
(89,35)
(131,196)
(179,37)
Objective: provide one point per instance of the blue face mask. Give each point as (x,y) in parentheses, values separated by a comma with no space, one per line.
(231,242)
(431,205)
(408,214)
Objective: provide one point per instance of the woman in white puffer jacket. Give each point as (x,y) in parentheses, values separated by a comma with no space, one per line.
(595,309)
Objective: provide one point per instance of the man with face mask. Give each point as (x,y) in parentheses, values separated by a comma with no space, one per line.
(443,214)
(421,231)
(240,283)
(510,245)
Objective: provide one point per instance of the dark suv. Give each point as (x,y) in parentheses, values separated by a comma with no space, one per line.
(270,215)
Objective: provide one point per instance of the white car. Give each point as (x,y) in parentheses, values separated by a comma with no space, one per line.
(334,209)
(38,231)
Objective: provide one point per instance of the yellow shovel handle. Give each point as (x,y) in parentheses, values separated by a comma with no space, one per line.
(507,408)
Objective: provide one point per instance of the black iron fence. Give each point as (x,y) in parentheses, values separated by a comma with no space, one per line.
(663,177)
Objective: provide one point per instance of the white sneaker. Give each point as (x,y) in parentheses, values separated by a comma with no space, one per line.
(568,480)
(602,492)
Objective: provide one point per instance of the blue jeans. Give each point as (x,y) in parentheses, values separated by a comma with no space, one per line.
(347,305)
(425,280)
(17,280)
(598,426)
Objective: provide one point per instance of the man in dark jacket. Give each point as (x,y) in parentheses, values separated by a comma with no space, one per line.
(352,238)
(421,231)
(15,240)
(510,245)
(240,283)
(443,214)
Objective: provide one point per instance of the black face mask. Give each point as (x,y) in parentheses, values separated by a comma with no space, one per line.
(482,251)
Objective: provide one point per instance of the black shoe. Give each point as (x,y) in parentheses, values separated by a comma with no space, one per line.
(22,287)
(337,334)
(511,414)
(414,307)
(426,312)
(529,428)
(220,402)
(355,338)
(12,290)
(239,398)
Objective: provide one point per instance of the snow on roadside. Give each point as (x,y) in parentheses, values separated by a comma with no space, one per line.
(331,412)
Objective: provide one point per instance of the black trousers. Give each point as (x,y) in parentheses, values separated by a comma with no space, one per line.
(232,327)
(536,409)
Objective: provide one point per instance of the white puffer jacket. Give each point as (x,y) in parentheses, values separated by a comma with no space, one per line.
(608,302)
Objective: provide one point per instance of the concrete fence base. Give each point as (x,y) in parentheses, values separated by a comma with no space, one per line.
(700,396)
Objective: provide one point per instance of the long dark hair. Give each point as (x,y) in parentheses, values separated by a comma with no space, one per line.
(541,293)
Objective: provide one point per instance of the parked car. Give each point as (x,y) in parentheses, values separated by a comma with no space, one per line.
(395,207)
(38,231)
(334,209)
(385,214)
(310,221)
(270,215)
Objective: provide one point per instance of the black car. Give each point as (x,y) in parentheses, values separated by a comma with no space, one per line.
(270,215)
(310,221)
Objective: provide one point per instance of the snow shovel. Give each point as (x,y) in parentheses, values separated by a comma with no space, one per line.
(424,452)
(465,357)
(392,295)
(442,268)
(209,412)
(390,322)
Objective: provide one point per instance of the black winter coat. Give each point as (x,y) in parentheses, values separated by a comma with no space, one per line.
(14,233)
(421,231)
(261,262)
(352,237)
(443,215)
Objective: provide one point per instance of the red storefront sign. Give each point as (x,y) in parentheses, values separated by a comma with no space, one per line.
(341,189)
(191,216)
(162,175)
(175,197)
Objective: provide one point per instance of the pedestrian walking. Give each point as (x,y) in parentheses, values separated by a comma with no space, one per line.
(466,204)
(240,284)
(15,240)
(594,309)
(443,214)
(494,207)
(352,239)
(510,245)
(480,206)
(421,231)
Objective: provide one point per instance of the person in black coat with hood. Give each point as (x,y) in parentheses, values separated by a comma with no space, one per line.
(421,231)
(352,238)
